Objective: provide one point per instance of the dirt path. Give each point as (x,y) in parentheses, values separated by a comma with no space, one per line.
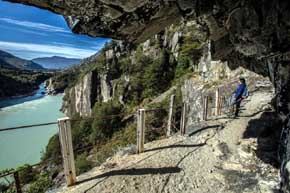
(220,158)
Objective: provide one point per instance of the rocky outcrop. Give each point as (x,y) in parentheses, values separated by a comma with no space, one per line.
(107,82)
(50,90)
(92,88)
(280,75)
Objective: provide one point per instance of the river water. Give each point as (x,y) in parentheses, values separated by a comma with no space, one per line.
(18,147)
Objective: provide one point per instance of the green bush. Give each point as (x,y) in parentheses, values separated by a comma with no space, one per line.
(41,185)
(183,66)
(81,130)
(134,95)
(26,174)
(4,187)
(158,76)
(53,150)
(82,164)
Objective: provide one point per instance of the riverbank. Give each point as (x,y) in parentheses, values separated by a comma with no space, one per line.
(36,94)
(20,83)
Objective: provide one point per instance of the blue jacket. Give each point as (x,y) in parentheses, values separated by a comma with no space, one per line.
(240,91)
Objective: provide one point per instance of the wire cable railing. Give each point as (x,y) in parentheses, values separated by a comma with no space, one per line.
(15,172)
(66,141)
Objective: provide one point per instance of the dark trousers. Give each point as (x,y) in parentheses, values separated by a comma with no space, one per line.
(238,105)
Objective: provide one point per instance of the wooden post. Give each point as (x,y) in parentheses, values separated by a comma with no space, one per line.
(220,105)
(67,150)
(222,101)
(17,182)
(205,108)
(217,101)
(170,115)
(140,130)
(224,104)
(183,119)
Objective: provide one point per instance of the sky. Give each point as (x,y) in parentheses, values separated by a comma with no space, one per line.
(29,32)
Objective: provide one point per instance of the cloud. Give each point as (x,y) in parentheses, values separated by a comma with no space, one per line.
(23,30)
(35,25)
(29,50)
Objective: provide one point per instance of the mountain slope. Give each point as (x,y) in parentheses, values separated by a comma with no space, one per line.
(10,61)
(56,62)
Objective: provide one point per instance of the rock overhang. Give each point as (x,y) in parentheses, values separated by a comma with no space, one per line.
(253,28)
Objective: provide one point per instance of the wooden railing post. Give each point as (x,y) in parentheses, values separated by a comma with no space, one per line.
(217,102)
(67,150)
(140,130)
(170,116)
(17,182)
(183,119)
(205,108)
(222,101)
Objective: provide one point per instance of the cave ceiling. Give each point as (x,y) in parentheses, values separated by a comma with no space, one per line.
(253,28)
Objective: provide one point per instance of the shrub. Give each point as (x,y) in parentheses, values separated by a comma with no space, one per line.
(41,185)
(53,150)
(82,164)
(104,125)
(26,174)
(120,139)
(3,187)
(183,66)
(81,130)
(158,75)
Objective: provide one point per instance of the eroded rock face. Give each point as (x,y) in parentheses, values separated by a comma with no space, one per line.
(93,87)
(252,28)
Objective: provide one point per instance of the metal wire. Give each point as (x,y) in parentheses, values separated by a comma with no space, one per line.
(107,117)
(55,123)
(27,126)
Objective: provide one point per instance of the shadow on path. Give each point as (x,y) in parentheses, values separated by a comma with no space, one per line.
(267,131)
(204,128)
(176,146)
(134,172)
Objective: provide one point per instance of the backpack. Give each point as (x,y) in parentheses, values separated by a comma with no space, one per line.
(245,93)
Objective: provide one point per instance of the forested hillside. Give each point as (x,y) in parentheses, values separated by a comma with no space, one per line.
(16,82)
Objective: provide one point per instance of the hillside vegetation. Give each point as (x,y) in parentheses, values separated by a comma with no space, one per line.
(19,76)
(19,82)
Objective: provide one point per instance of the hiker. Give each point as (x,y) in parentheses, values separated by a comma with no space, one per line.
(240,93)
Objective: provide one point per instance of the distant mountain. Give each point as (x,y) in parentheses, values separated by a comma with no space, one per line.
(56,62)
(10,61)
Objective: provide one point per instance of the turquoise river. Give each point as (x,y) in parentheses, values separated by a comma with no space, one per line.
(18,147)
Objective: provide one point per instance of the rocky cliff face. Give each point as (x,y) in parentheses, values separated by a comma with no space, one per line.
(253,34)
(92,88)
(253,28)
(99,85)
(182,42)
